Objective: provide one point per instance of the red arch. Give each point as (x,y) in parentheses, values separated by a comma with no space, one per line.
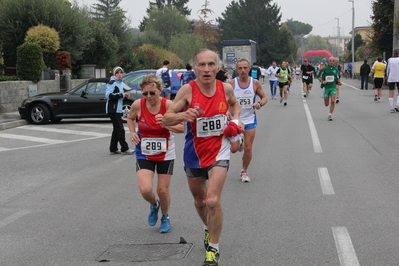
(317,52)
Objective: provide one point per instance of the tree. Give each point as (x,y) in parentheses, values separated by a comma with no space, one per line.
(102,46)
(168,22)
(105,10)
(383,13)
(161,55)
(46,37)
(113,18)
(152,37)
(17,16)
(179,5)
(257,20)
(204,27)
(298,28)
(316,42)
(287,45)
(186,45)
(358,42)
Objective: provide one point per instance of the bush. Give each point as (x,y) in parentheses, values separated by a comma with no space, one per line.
(46,37)
(30,62)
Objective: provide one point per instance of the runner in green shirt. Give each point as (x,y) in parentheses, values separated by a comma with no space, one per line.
(329,78)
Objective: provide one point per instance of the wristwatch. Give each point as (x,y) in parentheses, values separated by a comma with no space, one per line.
(261,104)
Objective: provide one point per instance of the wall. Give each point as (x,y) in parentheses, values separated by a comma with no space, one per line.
(13,92)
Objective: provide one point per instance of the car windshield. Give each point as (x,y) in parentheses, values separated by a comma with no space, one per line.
(95,87)
(134,79)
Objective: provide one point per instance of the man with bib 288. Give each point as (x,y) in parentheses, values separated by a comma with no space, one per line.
(329,78)
(246,89)
(202,105)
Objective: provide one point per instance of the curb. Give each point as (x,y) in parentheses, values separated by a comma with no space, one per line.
(8,125)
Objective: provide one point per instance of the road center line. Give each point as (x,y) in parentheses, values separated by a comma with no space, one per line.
(13,217)
(313,132)
(343,243)
(325,181)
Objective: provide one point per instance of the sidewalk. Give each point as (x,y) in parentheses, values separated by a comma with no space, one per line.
(10,120)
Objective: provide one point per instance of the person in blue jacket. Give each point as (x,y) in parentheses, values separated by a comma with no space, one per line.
(115,95)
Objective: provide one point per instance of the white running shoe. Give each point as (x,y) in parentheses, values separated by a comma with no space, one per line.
(245,178)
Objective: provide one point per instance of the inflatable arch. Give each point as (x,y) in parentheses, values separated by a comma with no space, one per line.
(317,52)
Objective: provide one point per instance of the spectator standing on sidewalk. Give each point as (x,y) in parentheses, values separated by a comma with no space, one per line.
(115,95)
(364,74)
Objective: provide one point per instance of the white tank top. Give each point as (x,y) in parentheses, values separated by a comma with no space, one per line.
(246,98)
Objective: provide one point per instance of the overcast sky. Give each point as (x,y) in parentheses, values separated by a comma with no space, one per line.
(321,14)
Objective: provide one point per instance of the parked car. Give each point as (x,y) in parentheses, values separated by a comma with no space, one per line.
(86,100)
(134,78)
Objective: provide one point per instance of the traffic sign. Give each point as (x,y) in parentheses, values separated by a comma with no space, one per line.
(366,51)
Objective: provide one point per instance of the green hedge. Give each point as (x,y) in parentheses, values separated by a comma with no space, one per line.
(9,78)
(30,62)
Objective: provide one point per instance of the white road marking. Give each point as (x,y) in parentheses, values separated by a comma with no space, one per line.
(313,132)
(343,243)
(29,138)
(13,217)
(65,131)
(3,149)
(346,84)
(325,181)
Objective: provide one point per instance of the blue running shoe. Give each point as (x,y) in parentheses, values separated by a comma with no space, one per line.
(165,225)
(153,216)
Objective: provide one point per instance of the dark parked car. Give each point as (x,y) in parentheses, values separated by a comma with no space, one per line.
(133,79)
(87,100)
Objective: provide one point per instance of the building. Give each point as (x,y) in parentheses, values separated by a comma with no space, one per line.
(333,42)
(365,31)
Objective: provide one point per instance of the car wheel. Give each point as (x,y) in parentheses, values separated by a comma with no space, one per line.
(125,110)
(39,114)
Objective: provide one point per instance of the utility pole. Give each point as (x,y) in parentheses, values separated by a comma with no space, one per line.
(353,32)
(339,38)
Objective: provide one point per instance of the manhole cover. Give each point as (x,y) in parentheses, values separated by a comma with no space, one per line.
(145,252)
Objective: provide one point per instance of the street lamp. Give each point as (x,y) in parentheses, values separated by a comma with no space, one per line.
(353,32)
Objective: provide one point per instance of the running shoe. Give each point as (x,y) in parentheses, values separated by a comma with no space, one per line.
(281,99)
(207,238)
(241,143)
(337,100)
(165,225)
(211,257)
(153,216)
(285,103)
(114,152)
(304,96)
(329,118)
(378,101)
(392,110)
(396,108)
(245,178)
(375,97)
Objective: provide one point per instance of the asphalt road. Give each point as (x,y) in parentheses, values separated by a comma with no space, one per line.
(322,193)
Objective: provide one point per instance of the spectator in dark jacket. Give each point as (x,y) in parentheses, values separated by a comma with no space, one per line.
(364,74)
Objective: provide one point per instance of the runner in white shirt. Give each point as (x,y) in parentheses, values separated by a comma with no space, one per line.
(393,79)
(271,71)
